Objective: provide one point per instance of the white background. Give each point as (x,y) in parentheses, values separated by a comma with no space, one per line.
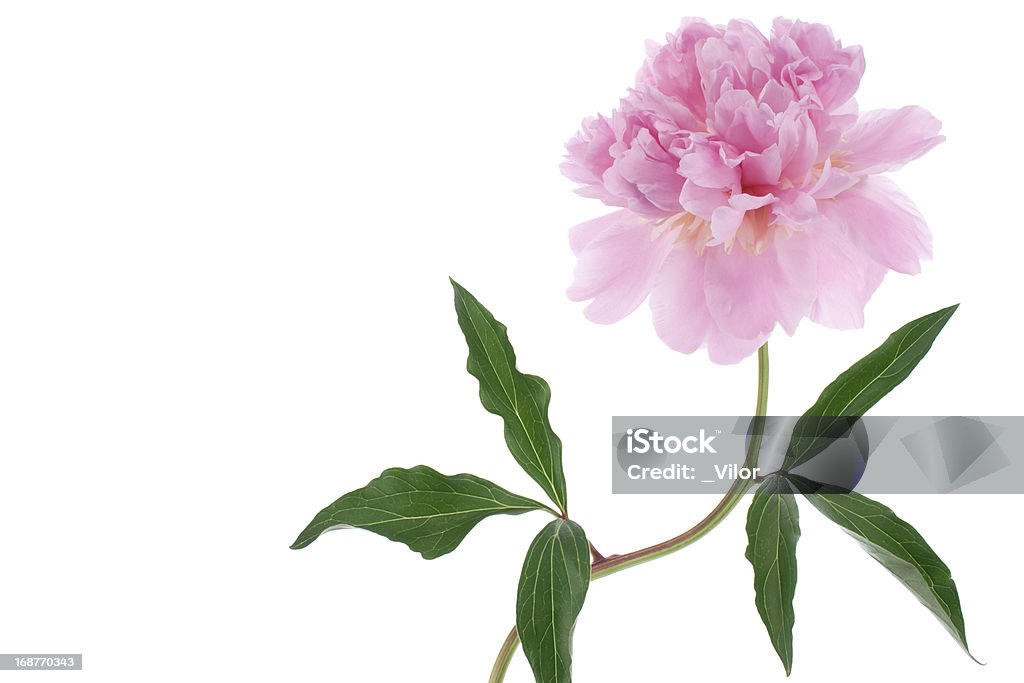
(225,236)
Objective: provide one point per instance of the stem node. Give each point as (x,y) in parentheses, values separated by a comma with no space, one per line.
(603,566)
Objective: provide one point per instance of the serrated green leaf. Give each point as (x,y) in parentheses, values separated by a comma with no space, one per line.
(428,511)
(854,391)
(520,400)
(552,587)
(773,529)
(897,546)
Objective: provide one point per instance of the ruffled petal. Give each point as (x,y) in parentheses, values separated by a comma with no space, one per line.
(652,171)
(588,156)
(704,165)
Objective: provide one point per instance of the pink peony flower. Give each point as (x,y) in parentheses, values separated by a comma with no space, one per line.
(748,189)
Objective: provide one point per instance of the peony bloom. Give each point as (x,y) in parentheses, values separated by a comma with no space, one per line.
(748,189)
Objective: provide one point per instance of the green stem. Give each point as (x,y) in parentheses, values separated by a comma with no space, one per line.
(609,565)
(504,658)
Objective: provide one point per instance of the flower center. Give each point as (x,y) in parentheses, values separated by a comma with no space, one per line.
(753,236)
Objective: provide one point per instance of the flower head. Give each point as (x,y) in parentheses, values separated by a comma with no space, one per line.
(748,189)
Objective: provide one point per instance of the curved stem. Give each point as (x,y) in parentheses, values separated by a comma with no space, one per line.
(609,565)
(504,658)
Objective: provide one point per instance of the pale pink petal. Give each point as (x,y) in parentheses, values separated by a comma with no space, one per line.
(846,277)
(741,57)
(810,58)
(680,311)
(749,293)
(776,96)
(726,350)
(652,171)
(795,207)
(618,268)
(798,144)
(672,113)
(704,165)
(883,222)
(588,157)
(886,139)
(742,122)
(702,201)
(749,202)
(725,220)
(583,234)
(672,68)
(832,182)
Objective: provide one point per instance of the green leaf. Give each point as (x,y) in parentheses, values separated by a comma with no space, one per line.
(552,587)
(853,392)
(428,511)
(520,400)
(773,529)
(897,546)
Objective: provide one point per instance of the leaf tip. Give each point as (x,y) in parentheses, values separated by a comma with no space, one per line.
(973,658)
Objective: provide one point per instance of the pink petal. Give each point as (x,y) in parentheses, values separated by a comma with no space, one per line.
(776,96)
(882,222)
(749,293)
(618,267)
(726,220)
(798,144)
(886,139)
(672,68)
(588,157)
(702,201)
(653,171)
(680,311)
(705,166)
(583,234)
(742,122)
(846,277)
(832,182)
(726,350)
(812,55)
(762,169)
(795,207)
